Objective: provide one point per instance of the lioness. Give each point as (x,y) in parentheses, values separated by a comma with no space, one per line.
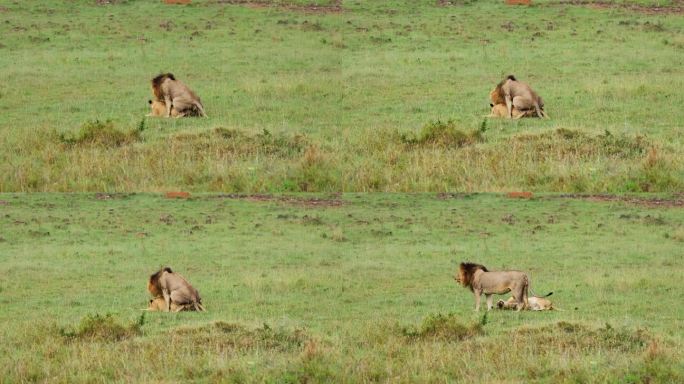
(158,108)
(174,93)
(517,94)
(158,304)
(535,303)
(499,110)
(174,289)
(480,280)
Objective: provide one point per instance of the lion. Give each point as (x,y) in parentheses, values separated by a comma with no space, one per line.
(158,304)
(536,303)
(500,110)
(173,288)
(158,108)
(480,280)
(519,95)
(175,94)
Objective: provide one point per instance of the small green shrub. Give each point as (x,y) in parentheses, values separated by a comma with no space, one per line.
(445,134)
(444,327)
(102,328)
(101,133)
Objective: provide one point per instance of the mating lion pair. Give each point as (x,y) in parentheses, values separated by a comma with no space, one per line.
(514,99)
(172,293)
(480,280)
(172,98)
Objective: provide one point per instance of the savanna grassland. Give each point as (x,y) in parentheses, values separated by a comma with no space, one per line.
(343,96)
(339,288)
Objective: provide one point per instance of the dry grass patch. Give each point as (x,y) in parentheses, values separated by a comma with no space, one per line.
(231,336)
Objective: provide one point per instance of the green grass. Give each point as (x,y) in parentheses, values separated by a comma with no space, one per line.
(350,84)
(341,288)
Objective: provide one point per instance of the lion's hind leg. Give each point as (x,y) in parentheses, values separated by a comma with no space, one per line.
(525,287)
(519,303)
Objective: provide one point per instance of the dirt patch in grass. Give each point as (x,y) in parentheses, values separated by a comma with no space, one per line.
(334,6)
(449,3)
(310,202)
(454,195)
(641,8)
(112,196)
(674,202)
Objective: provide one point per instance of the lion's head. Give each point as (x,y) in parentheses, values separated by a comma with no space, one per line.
(153,282)
(466,272)
(156,84)
(497,95)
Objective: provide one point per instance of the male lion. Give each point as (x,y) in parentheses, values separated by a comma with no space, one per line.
(480,280)
(516,94)
(535,303)
(177,95)
(174,289)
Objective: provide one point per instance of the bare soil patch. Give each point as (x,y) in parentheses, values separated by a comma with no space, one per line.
(112,196)
(453,195)
(334,7)
(641,8)
(519,195)
(674,202)
(333,201)
(177,195)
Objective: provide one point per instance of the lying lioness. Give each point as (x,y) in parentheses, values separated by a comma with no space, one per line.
(158,304)
(500,110)
(534,303)
(158,109)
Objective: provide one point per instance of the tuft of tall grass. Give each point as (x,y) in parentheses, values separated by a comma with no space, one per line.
(101,133)
(444,134)
(102,328)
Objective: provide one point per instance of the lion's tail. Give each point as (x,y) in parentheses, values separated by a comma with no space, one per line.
(538,109)
(201,109)
(535,295)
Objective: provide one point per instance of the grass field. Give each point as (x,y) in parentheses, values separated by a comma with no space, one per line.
(339,288)
(336,98)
